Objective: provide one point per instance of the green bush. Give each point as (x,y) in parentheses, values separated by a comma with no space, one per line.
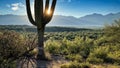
(85,65)
(94,60)
(98,55)
(11,46)
(114,57)
(74,57)
(76,65)
(52,47)
(112,32)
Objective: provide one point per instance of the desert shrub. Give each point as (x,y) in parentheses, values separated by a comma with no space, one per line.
(76,65)
(11,46)
(85,65)
(114,57)
(112,32)
(94,60)
(52,47)
(74,57)
(64,66)
(81,45)
(105,54)
(98,55)
(71,65)
(73,49)
(101,41)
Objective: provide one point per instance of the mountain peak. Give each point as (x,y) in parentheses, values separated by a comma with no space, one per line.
(110,14)
(96,14)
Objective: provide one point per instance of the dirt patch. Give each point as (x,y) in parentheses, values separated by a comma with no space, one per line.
(55,62)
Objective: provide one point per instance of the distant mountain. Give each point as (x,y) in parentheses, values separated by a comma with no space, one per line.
(101,20)
(92,20)
(10,19)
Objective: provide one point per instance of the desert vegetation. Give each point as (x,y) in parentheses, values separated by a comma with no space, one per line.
(82,49)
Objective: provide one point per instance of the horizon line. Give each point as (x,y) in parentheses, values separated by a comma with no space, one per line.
(69,15)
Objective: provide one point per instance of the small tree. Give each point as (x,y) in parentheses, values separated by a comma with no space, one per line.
(42,17)
(113,32)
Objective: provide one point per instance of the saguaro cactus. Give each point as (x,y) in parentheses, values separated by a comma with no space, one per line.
(41,19)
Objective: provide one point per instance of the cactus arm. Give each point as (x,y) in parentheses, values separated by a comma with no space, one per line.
(29,12)
(45,17)
(46,9)
(53,7)
(49,17)
(47,6)
(38,12)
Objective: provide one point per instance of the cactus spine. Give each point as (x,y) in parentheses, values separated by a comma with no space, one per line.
(41,19)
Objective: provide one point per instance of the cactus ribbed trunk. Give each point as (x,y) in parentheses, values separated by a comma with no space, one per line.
(41,53)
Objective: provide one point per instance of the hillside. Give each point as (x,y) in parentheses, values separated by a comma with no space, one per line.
(88,21)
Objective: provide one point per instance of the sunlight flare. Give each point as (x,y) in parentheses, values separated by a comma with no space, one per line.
(48,12)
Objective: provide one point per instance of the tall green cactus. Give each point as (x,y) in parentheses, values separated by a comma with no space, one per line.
(41,19)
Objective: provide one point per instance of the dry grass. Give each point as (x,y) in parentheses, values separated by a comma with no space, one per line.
(105,66)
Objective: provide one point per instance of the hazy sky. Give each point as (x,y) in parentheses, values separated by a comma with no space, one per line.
(75,8)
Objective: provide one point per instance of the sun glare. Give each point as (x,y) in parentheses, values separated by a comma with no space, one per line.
(48,12)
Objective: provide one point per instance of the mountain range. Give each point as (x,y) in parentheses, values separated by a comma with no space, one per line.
(91,20)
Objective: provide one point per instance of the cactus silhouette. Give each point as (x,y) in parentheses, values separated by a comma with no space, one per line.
(41,19)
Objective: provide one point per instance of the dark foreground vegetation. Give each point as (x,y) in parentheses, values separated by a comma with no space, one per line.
(82,48)
(26,28)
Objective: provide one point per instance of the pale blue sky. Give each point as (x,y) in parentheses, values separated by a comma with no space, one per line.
(75,8)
